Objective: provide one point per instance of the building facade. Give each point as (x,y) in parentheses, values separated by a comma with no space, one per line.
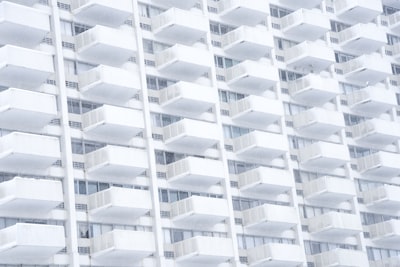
(192,133)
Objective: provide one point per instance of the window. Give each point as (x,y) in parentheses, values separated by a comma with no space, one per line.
(66,27)
(227,97)
(231,131)
(279,12)
(223,62)
(219,29)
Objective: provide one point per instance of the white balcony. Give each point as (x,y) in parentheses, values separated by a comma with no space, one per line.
(334,225)
(21,25)
(386,233)
(195,171)
(180,26)
(394,51)
(23,152)
(244,12)
(103,12)
(329,190)
(184,62)
(112,163)
(119,203)
(109,84)
(25,243)
(312,56)
(247,42)
(362,38)
(26,110)
(304,24)
(111,122)
(389,262)
(264,180)
(252,77)
(381,164)
(121,247)
(394,22)
(29,196)
(24,68)
(376,132)
(314,89)
(104,45)
(341,257)
(366,69)
(270,218)
(197,211)
(385,198)
(191,134)
(260,145)
(276,255)
(323,155)
(206,250)
(188,98)
(256,110)
(318,122)
(371,101)
(358,10)
(23,2)
(309,4)
(187,4)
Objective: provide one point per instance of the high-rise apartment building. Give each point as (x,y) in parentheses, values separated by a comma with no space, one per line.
(200,133)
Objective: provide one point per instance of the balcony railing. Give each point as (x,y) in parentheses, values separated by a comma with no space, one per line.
(386,233)
(26,110)
(270,218)
(256,110)
(323,155)
(25,243)
(252,77)
(329,190)
(304,24)
(121,247)
(116,163)
(188,98)
(118,204)
(204,249)
(182,62)
(371,100)
(19,67)
(318,122)
(274,254)
(341,257)
(362,38)
(28,153)
(105,45)
(195,171)
(264,180)
(376,132)
(382,164)
(314,89)
(28,196)
(368,68)
(111,122)
(358,10)
(334,224)
(102,12)
(310,56)
(248,42)
(109,84)
(383,198)
(21,25)
(189,135)
(172,25)
(244,12)
(260,145)
(199,211)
